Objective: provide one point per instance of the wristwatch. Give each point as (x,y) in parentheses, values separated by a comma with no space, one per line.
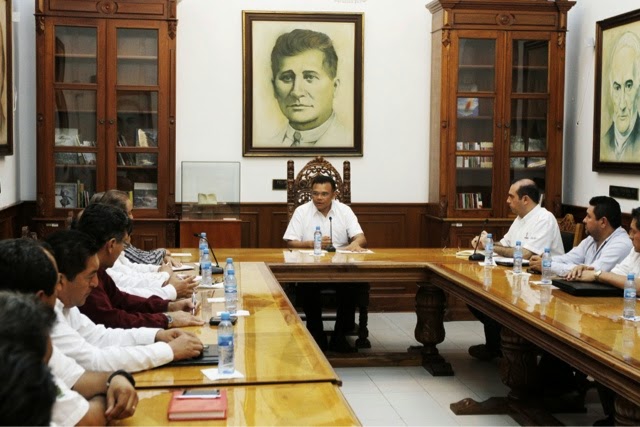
(596,275)
(169,319)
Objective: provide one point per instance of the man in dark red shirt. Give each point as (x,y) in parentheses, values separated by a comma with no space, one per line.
(105,303)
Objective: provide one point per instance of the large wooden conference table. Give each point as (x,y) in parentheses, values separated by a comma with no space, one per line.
(586,332)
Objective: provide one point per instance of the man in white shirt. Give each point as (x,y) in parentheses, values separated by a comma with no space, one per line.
(607,243)
(26,266)
(334,218)
(630,265)
(536,228)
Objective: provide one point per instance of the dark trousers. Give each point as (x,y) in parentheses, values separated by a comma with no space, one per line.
(492,329)
(309,296)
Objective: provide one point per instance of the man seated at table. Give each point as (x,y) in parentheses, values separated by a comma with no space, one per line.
(536,228)
(106,304)
(322,210)
(26,266)
(606,244)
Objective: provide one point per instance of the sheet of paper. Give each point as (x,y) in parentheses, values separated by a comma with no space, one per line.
(212,286)
(183,267)
(216,299)
(342,251)
(180,254)
(213,374)
(239,313)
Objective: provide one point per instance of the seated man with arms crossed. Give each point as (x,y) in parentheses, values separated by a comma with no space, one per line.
(106,304)
(605,246)
(536,228)
(26,267)
(321,210)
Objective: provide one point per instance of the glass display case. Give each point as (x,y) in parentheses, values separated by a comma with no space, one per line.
(210,190)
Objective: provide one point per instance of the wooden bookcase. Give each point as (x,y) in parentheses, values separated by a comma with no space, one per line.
(497,110)
(106,109)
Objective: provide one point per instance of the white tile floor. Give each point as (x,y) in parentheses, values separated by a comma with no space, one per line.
(397,396)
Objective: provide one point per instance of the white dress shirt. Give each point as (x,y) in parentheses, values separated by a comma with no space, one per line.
(69,408)
(536,231)
(143,280)
(631,264)
(612,251)
(65,368)
(306,217)
(97,348)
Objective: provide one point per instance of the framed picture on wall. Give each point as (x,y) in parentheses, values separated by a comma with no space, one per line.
(6,80)
(66,194)
(616,122)
(302,88)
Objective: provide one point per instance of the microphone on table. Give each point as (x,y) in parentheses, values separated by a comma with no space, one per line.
(217,269)
(477,256)
(331,248)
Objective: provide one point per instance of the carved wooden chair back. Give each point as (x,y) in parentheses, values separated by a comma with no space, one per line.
(572,233)
(299,188)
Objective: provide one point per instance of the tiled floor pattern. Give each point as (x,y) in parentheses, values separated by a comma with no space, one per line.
(397,396)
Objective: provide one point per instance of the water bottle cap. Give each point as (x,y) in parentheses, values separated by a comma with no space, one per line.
(489,235)
(225,315)
(518,242)
(317,227)
(205,251)
(547,249)
(229,260)
(231,273)
(631,276)
(203,234)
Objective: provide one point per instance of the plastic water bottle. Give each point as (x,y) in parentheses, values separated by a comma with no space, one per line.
(629,310)
(488,250)
(317,241)
(488,276)
(517,258)
(205,268)
(202,245)
(226,364)
(231,292)
(546,267)
(229,266)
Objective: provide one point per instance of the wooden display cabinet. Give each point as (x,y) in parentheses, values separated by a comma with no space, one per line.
(106,108)
(497,106)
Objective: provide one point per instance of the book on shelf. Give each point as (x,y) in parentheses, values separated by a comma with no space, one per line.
(147,138)
(198,405)
(470,201)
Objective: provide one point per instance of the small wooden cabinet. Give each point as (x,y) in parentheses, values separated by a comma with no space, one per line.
(497,105)
(106,108)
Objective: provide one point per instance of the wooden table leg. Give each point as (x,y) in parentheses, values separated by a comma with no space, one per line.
(430,328)
(362,302)
(627,413)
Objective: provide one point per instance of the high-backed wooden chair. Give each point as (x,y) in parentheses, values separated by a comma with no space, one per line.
(299,192)
(571,233)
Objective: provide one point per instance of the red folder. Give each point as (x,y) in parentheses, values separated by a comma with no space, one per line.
(194,408)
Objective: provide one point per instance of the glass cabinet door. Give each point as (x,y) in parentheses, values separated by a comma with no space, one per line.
(137,115)
(75,138)
(475,112)
(529,110)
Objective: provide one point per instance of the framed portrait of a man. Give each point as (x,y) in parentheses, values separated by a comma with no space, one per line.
(6,80)
(302,88)
(616,123)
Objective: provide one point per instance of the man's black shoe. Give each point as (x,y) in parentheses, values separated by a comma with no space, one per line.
(609,421)
(482,352)
(341,345)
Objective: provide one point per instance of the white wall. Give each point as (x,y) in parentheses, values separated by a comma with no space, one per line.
(396,91)
(580,182)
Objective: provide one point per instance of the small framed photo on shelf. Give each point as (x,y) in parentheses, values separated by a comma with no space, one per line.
(468,107)
(67,137)
(66,195)
(145,195)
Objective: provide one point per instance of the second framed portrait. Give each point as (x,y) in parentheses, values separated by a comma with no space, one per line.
(302,88)
(616,122)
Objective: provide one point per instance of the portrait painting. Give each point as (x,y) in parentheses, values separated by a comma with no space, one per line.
(616,134)
(302,84)
(6,80)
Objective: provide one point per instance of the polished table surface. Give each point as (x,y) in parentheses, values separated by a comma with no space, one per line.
(272,344)
(267,405)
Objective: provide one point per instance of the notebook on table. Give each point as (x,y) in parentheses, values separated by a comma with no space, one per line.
(208,357)
(197,405)
(587,289)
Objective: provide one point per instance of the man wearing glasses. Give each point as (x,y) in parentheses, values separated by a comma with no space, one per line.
(340,227)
